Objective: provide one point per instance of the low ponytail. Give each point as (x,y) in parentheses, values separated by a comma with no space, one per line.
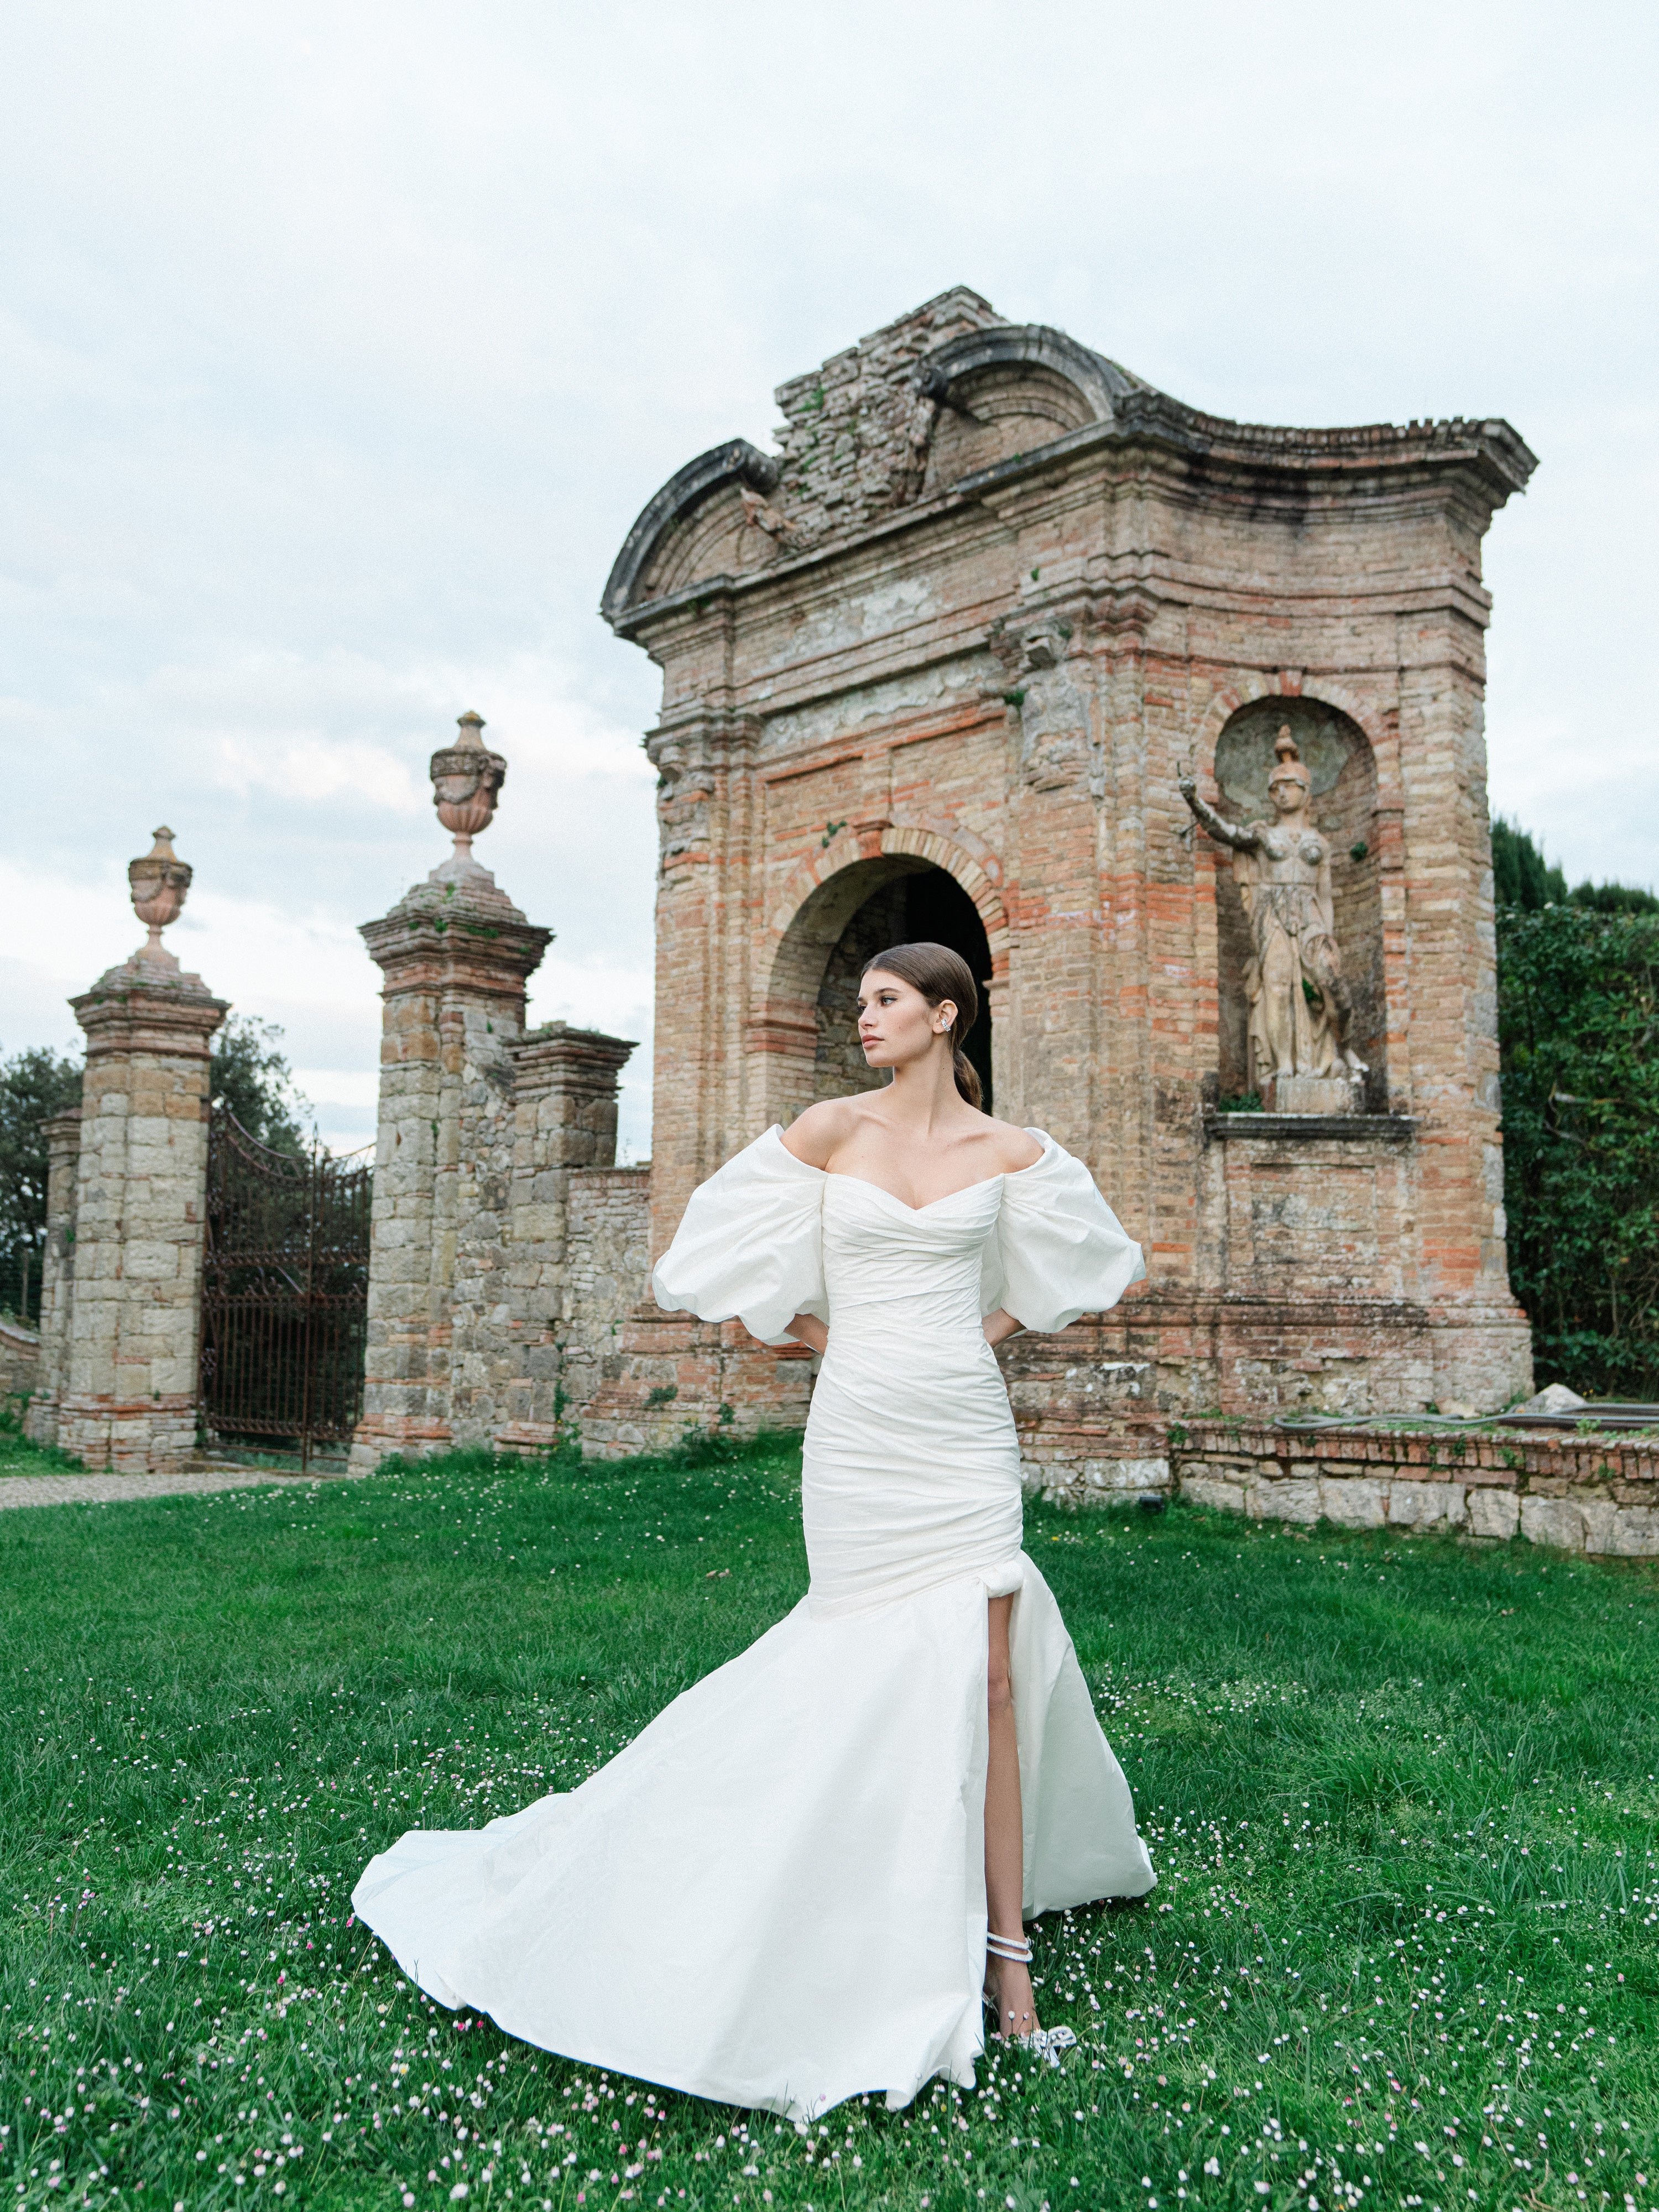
(940,974)
(966,1077)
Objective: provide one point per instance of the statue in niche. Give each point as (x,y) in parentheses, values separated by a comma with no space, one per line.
(1300,1013)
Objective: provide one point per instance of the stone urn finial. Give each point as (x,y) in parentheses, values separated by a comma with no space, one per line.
(466,779)
(158,883)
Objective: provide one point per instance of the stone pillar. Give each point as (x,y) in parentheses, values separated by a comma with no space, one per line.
(564,1124)
(63,1134)
(128,1394)
(456,954)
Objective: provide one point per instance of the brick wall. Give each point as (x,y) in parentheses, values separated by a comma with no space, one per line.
(985,626)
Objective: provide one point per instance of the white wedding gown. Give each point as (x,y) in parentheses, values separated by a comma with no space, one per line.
(776,1895)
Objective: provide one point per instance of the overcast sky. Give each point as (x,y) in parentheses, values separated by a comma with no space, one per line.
(342,345)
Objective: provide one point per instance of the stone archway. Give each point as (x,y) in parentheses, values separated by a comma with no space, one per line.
(809,1033)
(924,903)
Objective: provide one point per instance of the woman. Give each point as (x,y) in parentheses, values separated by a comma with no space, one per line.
(797,1883)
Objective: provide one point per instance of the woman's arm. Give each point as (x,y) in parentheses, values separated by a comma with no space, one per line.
(807,1329)
(1001,1325)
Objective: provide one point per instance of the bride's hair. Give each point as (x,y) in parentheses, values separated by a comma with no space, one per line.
(940,974)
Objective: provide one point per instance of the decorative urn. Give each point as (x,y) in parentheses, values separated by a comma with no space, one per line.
(158,883)
(466,779)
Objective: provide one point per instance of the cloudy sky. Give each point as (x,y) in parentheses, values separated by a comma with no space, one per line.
(342,345)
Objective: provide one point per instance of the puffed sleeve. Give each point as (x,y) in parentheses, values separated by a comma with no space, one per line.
(750,1244)
(1060,1250)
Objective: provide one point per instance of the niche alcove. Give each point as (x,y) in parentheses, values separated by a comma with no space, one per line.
(1343,772)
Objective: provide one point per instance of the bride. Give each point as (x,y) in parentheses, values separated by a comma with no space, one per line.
(805,1877)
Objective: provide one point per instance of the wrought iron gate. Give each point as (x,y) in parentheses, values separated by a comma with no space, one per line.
(284,1291)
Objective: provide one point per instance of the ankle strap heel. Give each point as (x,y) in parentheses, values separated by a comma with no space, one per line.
(1009,1947)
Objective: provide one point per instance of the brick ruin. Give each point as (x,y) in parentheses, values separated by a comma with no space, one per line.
(936,667)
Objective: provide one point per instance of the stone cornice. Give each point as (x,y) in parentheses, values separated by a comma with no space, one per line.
(136,1008)
(1197,452)
(735,462)
(438,937)
(1310,1129)
(558,1058)
(1102,383)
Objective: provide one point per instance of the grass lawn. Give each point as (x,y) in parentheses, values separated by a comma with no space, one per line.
(19,1457)
(1401,1795)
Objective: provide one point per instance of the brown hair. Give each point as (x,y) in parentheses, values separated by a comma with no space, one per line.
(939,973)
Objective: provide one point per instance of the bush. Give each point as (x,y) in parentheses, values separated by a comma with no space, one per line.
(1579,1032)
(34,1087)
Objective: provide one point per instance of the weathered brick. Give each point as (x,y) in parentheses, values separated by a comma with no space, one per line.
(989,603)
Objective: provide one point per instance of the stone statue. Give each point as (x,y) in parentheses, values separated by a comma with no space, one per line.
(1300,1010)
(466,778)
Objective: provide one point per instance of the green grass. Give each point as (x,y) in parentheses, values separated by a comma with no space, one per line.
(1400,1794)
(19,1457)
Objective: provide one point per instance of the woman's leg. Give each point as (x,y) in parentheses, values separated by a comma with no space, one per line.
(1005,1843)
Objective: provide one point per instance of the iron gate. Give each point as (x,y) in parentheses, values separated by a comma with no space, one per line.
(284,1292)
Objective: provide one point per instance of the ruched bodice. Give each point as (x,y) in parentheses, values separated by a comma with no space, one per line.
(911,1472)
(916,1270)
(908,1387)
(776,1895)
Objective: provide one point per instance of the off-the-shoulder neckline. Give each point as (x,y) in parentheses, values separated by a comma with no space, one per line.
(1008,1174)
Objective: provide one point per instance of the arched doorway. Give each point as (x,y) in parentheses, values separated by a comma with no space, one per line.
(922,903)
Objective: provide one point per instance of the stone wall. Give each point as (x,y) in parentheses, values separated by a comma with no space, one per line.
(63,1135)
(607,1258)
(20,1360)
(1580,1493)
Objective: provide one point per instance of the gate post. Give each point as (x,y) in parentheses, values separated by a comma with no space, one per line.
(127,1389)
(456,954)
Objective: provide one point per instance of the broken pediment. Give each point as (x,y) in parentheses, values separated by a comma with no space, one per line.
(734,530)
(997,414)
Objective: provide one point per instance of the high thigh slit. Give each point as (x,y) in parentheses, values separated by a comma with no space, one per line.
(776,1895)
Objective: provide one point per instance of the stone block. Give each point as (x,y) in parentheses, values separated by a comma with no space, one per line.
(1600,1517)
(1103,1477)
(1353,1501)
(1291,1498)
(1427,1504)
(1635,1533)
(1557,1520)
(1312,1094)
(1493,1512)
(1199,1487)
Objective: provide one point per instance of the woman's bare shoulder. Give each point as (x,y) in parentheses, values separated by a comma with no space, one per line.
(815,1135)
(1015,1148)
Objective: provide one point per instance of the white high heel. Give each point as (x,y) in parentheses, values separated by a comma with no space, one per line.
(1044,2044)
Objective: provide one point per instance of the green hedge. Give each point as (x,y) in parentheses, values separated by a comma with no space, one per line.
(1579,1029)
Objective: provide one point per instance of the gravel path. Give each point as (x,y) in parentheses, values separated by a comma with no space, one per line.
(122,1489)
